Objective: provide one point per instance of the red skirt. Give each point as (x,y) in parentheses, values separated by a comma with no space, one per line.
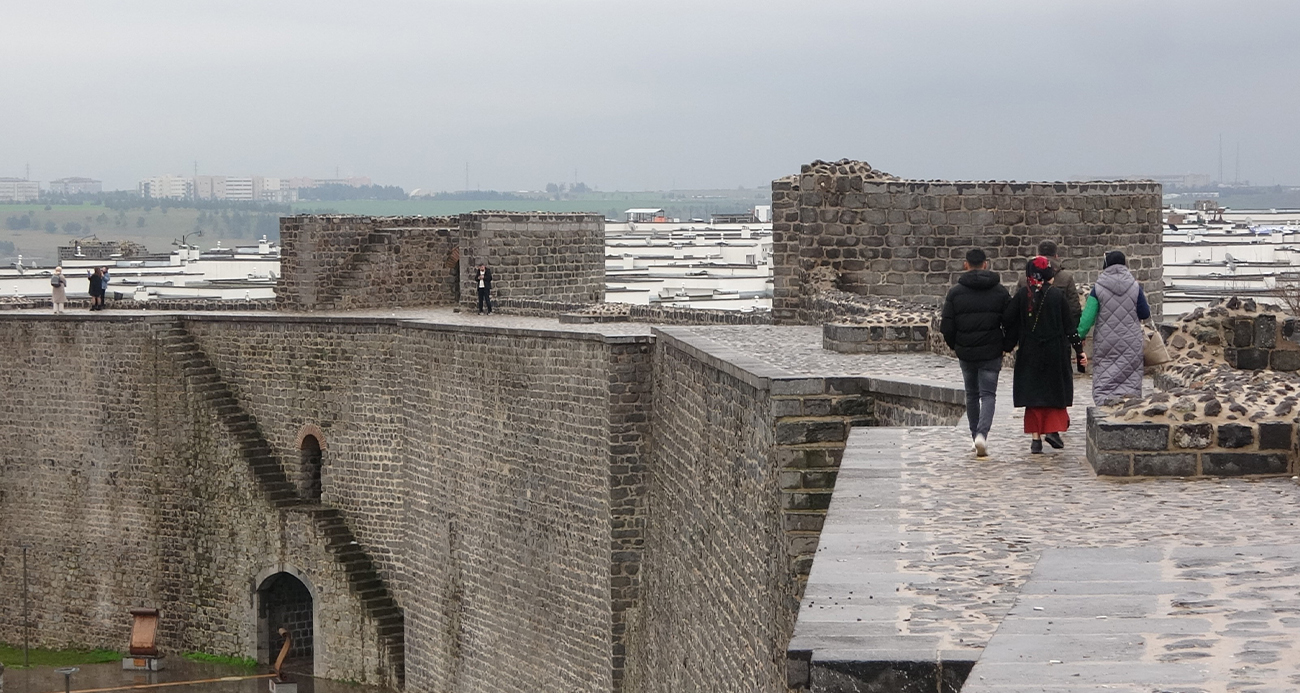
(1046,420)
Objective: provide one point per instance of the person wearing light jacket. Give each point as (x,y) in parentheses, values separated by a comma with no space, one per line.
(1116,306)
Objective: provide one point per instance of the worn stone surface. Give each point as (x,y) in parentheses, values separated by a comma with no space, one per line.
(1158,618)
(926,553)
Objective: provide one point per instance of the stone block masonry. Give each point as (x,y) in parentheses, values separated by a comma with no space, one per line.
(538,256)
(501,508)
(1193,448)
(882,236)
(332,262)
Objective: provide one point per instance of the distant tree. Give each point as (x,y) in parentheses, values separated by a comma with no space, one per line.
(139,222)
(554,189)
(101,219)
(72,228)
(51,227)
(48,208)
(579,188)
(338,191)
(22,221)
(7,248)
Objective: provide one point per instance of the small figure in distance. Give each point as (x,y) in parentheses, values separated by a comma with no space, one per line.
(1117,306)
(103,293)
(483,276)
(58,289)
(1039,323)
(972,327)
(96,277)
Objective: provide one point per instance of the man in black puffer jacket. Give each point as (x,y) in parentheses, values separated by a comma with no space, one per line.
(972,327)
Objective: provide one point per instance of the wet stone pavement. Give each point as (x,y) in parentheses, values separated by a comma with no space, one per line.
(927,549)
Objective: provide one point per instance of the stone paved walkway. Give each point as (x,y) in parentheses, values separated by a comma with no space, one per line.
(1156,618)
(926,547)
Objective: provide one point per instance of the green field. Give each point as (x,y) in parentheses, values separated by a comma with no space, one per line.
(12,656)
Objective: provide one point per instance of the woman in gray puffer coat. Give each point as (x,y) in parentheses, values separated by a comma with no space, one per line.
(1117,305)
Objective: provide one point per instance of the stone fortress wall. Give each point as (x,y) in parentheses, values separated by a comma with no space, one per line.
(333,262)
(504,488)
(879,235)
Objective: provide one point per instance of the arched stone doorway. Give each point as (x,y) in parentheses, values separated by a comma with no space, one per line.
(309,471)
(284,601)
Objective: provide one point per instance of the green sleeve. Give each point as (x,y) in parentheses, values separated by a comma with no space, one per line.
(1089,316)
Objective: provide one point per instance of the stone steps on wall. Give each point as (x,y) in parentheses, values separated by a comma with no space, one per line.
(362,577)
(351,275)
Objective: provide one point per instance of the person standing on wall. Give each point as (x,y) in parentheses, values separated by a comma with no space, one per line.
(1117,305)
(1039,323)
(483,276)
(103,292)
(96,289)
(58,289)
(971,325)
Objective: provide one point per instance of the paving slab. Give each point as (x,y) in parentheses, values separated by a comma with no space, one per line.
(1223,619)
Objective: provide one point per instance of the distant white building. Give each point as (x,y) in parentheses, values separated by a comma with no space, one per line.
(245,188)
(643,215)
(19,190)
(167,188)
(76,186)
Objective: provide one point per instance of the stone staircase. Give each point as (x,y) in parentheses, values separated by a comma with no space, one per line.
(351,277)
(203,379)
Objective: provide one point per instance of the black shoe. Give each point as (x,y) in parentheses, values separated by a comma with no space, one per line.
(1035,446)
(1054,440)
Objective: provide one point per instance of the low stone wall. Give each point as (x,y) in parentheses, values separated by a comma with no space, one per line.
(875,339)
(1219,409)
(1118,448)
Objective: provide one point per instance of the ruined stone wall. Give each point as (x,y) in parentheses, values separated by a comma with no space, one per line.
(536,256)
(881,236)
(718,601)
(119,475)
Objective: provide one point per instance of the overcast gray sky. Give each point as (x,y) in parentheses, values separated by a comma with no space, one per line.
(647,95)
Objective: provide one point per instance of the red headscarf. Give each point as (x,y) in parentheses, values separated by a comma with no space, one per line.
(1038,271)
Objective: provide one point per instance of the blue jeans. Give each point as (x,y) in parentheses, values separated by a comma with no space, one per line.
(981,392)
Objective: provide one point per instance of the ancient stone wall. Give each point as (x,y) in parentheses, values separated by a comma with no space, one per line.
(881,236)
(536,256)
(1226,405)
(332,262)
(317,251)
(507,512)
(117,472)
(718,599)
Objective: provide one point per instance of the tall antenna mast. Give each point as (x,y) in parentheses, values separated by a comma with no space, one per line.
(1236,174)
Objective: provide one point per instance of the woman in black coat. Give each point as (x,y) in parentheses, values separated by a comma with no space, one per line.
(1038,321)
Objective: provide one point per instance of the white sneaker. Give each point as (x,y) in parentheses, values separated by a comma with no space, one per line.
(981,446)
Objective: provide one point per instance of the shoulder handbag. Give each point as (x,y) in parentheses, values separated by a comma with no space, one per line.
(1154,352)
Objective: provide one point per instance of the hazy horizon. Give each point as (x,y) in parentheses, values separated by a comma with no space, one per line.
(648,96)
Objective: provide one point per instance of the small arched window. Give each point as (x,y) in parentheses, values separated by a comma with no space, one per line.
(309,479)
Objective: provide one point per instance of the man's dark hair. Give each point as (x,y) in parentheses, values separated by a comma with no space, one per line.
(976,257)
(1047,248)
